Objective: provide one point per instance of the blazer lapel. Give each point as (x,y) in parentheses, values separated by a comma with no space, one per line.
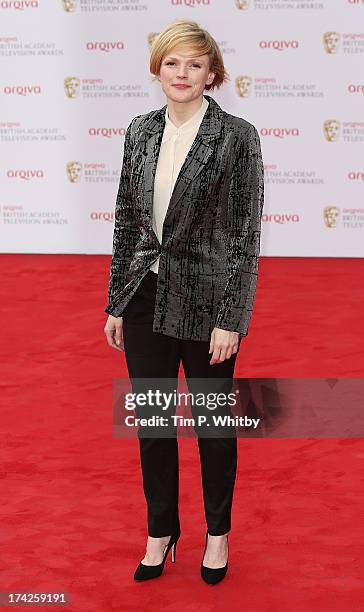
(196,159)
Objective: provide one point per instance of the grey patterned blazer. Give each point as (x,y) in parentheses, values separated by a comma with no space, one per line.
(208,265)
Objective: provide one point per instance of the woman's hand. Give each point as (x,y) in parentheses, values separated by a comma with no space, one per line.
(223,344)
(114,332)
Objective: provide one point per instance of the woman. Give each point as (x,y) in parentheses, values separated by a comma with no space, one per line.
(184,271)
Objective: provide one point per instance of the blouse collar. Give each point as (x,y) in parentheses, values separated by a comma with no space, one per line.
(188,125)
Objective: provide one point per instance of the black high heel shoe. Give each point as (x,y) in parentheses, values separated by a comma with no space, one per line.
(209,574)
(145,572)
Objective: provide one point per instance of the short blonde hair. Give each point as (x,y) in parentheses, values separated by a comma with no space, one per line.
(188,33)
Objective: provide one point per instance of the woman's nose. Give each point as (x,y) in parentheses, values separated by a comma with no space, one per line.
(181,72)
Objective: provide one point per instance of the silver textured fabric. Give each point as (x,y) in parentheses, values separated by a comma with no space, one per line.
(210,246)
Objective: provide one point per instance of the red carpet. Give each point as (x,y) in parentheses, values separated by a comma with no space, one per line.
(73,517)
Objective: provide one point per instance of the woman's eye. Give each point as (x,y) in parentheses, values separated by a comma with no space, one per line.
(171,64)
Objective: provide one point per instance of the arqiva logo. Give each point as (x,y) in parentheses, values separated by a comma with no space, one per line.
(355,88)
(102,216)
(356,176)
(18,5)
(191,3)
(280,132)
(279,45)
(280,218)
(25,174)
(106,47)
(107,132)
(22,90)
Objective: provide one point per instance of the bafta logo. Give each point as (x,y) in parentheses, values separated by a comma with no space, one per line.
(242,5)
(69,5)
(243,85)
(72,86)
(331,216)
(74,170)
(332,130)
(151,38)
(331,42)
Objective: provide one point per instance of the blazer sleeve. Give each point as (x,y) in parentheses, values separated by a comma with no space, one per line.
(245,206)
(126,229)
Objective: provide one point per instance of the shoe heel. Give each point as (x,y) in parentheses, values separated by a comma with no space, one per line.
(174,552)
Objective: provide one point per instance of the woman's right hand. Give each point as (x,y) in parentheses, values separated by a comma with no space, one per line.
(114,332)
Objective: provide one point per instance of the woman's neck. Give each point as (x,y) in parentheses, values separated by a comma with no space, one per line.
(180,112)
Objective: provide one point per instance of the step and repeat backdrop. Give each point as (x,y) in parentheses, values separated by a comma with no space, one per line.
(75,72)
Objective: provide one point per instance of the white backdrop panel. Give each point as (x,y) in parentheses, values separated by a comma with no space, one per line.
(75,72)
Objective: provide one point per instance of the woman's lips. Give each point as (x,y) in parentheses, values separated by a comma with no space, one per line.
(182,86)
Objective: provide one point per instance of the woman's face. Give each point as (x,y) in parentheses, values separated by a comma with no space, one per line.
(183,75)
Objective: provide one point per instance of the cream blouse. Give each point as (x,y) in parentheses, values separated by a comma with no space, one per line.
(176,143)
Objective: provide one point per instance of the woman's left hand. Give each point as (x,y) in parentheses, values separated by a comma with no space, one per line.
(223,344)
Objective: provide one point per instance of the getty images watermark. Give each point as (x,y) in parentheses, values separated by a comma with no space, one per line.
(239,407)
(207,408)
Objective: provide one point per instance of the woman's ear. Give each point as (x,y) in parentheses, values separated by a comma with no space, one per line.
(210,78)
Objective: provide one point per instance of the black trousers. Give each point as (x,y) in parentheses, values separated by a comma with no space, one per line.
(155,355)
